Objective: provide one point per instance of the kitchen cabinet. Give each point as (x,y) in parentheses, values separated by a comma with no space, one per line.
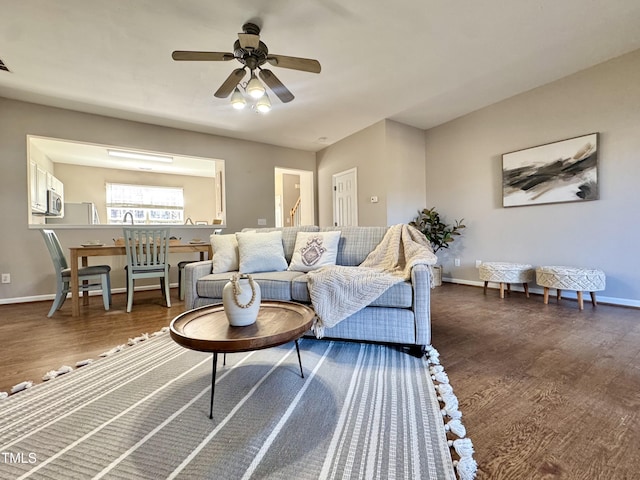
(38,179)
(54,184)
(41,181)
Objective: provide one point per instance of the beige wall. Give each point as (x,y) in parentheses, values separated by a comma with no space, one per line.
(249,171)
(390,160)
(362,150)
(461,176)
(405,171)
(463,179)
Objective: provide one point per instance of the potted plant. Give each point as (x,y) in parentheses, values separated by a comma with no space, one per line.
(439,234)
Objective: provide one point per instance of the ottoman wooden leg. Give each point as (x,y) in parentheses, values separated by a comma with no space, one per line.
(509,288)
(558,294)
(546,295)
(580,301)
(526,289)
(593,298)
(485,286)
(501,290)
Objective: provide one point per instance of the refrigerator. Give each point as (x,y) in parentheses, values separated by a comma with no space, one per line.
(84,213)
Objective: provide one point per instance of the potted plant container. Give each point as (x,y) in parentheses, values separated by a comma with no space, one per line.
(439,234)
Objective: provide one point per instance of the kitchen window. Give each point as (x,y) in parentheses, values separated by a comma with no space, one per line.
(148,204)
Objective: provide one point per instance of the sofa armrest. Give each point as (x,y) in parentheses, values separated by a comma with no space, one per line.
(421,282)
(192,272)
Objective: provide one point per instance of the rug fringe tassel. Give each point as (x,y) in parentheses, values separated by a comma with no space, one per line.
(82,363)
(433,355)
(141,338)
(450,402)
(441,377)
(112,351)
(50,375)
(465,466)
(21,386)
(444,388)
(456,427)
(160,332)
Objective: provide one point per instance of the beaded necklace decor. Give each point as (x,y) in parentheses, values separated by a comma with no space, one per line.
(237,290)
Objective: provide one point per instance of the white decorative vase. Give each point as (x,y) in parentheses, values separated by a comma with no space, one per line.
(241,300)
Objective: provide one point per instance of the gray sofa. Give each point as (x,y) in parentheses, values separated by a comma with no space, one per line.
(401,315)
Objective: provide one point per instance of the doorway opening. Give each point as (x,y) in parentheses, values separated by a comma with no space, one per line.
(294,197)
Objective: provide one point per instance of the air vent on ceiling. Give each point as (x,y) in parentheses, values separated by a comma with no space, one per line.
(3,66)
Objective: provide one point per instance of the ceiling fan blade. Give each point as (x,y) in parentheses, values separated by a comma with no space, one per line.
(276,85)
(230,83)
(249,40)
(202,56)
(295,63)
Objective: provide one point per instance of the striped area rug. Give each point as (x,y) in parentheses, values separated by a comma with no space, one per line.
(362,411)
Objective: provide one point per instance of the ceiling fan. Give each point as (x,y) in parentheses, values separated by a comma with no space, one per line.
(252,54)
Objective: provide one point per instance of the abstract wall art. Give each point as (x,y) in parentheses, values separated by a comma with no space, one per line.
(564,171)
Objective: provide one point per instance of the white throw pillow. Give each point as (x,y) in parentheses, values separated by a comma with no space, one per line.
(225,253)
(261,252)
(314,250)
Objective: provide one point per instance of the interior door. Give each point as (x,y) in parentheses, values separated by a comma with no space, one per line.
(345,198)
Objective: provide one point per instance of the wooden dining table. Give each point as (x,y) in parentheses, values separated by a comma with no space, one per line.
(84,252)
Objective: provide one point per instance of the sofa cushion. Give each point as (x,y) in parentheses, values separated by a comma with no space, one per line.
(356,243)
(261,252)
(399,295)
(276,285)
(210,286)
(273,285)
(314,250)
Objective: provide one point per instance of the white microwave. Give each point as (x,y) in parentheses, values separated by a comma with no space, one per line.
(54,203)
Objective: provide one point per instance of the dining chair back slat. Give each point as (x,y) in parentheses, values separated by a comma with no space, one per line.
(147,250)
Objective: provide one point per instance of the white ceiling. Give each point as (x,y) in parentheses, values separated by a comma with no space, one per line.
(419,62)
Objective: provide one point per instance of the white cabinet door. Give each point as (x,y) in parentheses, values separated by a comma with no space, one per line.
(54,184)
(38,188)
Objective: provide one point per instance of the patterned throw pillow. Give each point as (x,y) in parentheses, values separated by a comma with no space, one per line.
(314,250)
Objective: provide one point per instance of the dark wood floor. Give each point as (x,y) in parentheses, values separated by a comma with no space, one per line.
(546,391)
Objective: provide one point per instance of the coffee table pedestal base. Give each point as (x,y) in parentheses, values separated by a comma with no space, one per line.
(215,366)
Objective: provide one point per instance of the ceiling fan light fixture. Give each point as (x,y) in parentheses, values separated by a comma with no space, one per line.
(254,87)
(252,53)
(263,105)
(237,100)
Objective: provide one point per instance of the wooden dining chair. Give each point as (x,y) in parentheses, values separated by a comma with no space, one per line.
(95,277)
(147,251)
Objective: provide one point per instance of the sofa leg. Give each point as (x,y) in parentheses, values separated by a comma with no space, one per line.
(417,350)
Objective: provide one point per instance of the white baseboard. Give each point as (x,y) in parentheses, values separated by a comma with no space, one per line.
(51,296)
(623,302)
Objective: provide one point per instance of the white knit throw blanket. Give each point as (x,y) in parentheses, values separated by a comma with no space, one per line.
(338,291)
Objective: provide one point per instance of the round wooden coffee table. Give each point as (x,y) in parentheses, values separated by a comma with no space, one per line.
(207,329)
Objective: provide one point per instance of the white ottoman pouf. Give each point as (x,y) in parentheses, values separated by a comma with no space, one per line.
(503,272)
(571,278)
